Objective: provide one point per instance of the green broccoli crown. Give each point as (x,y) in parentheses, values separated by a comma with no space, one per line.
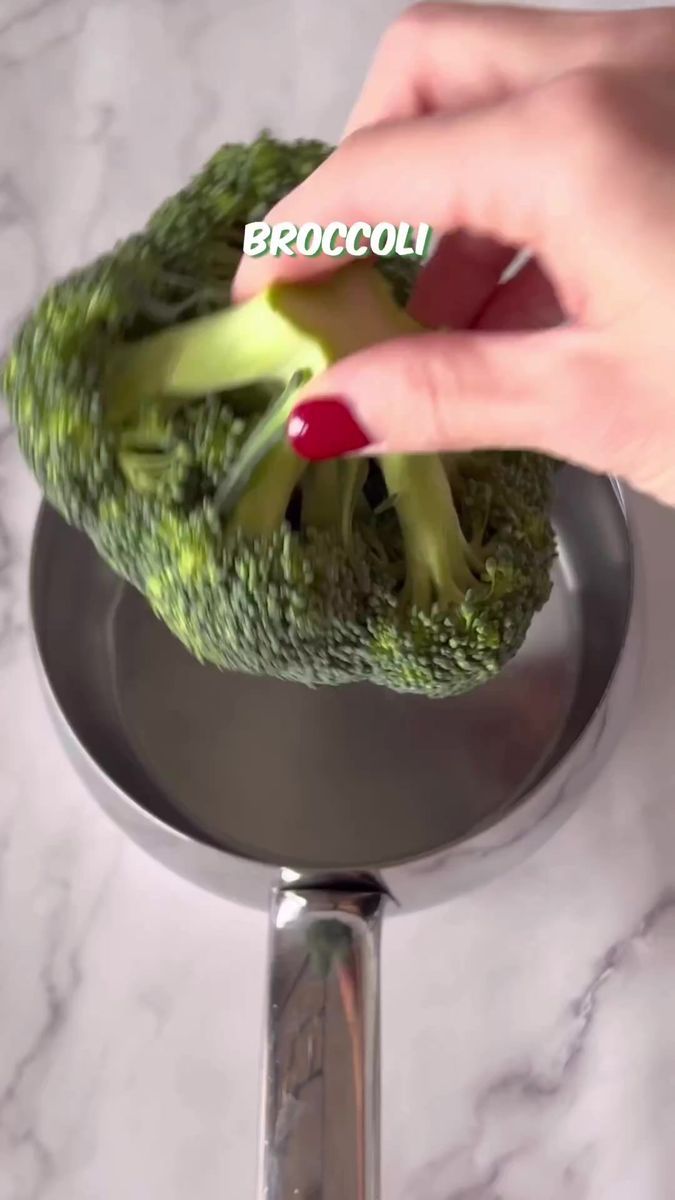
(153,412)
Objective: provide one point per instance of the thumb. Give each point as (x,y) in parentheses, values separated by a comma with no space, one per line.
(450,391)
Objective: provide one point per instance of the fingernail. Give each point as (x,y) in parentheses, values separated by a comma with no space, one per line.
(325,428)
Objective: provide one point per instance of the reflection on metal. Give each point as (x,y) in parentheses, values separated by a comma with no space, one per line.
(321,1136)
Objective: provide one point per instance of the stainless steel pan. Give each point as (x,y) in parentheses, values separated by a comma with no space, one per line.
(334,806)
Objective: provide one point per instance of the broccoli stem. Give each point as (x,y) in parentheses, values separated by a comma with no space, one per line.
(439,561)
(241,345)
(330,491)
(262,507)
(353,473)
(281,331)
(322,497)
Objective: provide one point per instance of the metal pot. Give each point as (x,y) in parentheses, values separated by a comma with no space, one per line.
(336,805)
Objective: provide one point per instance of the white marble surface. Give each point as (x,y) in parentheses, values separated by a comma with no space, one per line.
(529,1037)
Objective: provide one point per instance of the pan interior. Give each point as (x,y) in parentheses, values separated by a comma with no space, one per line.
(340,777)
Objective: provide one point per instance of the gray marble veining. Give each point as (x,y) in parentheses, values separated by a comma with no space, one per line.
(529,1045)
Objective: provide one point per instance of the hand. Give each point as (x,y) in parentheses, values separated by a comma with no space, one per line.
(508,128)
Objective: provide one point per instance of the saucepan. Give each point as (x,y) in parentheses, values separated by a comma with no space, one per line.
(332,807)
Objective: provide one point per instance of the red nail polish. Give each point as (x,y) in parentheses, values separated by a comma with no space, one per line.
(325,428)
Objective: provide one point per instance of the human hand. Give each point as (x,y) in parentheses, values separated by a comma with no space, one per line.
(505,128)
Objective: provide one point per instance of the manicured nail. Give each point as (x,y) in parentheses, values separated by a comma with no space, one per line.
(325,428)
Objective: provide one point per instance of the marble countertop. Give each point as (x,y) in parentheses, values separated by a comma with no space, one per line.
(533,1057)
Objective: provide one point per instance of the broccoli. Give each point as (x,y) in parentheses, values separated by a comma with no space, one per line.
(152,411)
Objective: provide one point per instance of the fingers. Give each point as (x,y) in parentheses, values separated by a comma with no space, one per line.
(459,173)
(461,61)
(453,56)
(528,301)
(462,391)
(454,286)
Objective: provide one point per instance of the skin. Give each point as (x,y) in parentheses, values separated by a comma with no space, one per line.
(517,128)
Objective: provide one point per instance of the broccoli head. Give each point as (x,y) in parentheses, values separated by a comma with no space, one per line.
(153,411)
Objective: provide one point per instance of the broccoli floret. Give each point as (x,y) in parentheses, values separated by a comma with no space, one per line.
(448,648)
(153,413)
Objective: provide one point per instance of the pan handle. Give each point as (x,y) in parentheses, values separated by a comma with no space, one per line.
(321,1096)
